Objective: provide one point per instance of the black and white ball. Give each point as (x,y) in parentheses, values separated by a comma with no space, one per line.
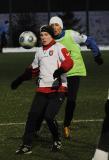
(27,39)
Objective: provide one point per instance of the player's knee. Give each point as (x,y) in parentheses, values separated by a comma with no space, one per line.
(32,114)
(48,118)
(71,101)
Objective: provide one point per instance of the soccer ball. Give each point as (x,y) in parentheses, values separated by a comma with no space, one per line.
(27,39)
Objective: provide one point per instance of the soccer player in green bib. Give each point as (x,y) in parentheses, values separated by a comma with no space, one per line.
(71,40)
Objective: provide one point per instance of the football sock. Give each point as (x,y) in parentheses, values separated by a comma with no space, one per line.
(100,155)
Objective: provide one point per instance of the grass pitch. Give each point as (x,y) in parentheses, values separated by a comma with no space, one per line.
(14,107)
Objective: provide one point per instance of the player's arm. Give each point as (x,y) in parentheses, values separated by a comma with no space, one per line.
(90,43)
(66,63)
(28,74)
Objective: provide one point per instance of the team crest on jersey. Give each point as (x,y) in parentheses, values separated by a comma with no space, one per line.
(51,52)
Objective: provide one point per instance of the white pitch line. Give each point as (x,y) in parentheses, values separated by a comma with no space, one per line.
(11,124)
(74,121)
(88,120)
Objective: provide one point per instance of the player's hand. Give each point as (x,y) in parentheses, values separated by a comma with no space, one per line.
(57,73)
(98,59)
(16,83)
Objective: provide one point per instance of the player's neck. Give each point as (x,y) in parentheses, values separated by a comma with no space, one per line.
(60,35)
(49,45)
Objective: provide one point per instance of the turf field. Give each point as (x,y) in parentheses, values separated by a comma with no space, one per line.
(14,106)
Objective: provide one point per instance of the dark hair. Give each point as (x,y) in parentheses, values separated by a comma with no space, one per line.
(47,28)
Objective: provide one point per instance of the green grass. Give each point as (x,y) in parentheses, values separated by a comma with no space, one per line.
(14,107)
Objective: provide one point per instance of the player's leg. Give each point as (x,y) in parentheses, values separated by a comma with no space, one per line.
(38,125)
(54,104)
(101,153)
(37,109)
(73,86)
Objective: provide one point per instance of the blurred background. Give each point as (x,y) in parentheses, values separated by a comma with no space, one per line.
(86,16)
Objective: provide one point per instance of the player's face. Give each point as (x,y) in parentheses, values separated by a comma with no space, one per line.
(46,38)
(57,29)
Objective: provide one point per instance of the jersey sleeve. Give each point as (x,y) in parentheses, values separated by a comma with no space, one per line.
(78,38)
(66,61)
(35,61)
